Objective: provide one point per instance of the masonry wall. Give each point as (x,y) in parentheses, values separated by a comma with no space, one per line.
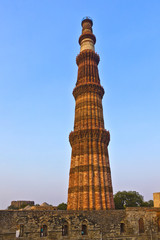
(18,204)
(106,225)
(156,199)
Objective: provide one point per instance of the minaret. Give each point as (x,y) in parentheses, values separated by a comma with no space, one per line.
(90,184)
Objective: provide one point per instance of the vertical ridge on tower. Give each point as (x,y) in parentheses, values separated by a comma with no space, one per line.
(90,184)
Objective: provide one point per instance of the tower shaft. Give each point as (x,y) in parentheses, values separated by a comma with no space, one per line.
(90,185)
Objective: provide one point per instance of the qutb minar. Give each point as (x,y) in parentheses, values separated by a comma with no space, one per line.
(90,184)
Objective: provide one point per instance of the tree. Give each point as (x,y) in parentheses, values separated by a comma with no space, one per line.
(130,199)
(148,204)
(62,206)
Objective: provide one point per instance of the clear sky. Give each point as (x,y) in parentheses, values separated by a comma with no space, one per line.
(38,47)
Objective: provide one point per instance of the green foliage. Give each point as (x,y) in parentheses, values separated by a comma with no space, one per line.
(62,206)
(148,204)
(130,199)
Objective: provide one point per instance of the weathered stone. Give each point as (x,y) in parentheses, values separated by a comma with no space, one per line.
(104,224)
(156,199)
(19,204)
(90,185)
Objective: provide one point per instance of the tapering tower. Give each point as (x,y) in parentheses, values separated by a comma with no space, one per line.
(90,184)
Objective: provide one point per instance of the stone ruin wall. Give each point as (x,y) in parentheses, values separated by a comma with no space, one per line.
(19,204)
(106,225)
(156,199)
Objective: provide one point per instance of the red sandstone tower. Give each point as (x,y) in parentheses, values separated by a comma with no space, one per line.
(90,184)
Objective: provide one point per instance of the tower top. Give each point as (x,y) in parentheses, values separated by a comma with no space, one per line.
(87,19)
(87,38)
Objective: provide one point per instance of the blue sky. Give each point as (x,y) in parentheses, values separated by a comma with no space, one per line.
(38,47)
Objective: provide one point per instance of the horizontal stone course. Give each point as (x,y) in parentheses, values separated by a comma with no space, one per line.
(84,188)
(89,134)
(88,87)
(86,168)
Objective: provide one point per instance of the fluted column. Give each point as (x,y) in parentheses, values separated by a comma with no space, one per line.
(90,185)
